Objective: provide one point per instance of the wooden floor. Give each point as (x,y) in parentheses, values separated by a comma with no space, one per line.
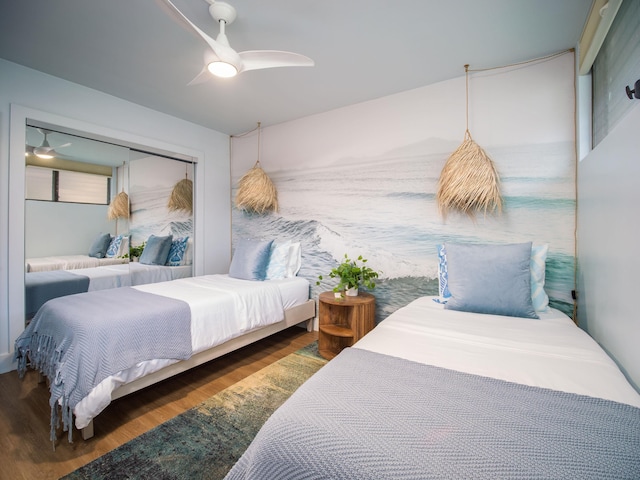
(27,453)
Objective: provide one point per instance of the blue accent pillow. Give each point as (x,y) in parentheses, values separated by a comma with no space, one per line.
(250,259)
(443,286)
(100,245)
(491,279)
(156,250)
(176,252)
(114,246)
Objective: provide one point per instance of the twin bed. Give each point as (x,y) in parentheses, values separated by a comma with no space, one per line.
(436,393)
(45,285)
(106,266)
(98,346)
(448,390)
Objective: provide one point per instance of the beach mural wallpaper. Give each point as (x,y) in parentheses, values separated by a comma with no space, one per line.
(152,179)
(362,180)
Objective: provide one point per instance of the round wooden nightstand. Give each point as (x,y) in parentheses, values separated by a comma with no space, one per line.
(343,321)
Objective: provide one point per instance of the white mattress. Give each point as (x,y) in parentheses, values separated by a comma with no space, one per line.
(207,329)
(69,262)
(551,352)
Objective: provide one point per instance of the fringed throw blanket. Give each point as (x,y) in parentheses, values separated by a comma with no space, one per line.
(79,340)
(366,415)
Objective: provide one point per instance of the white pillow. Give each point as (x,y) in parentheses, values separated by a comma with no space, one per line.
(124,247)
(278,260)
(295,260)
(187,259)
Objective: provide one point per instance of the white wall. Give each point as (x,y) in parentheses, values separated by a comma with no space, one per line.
(608,232)
(26,93)
(58,228)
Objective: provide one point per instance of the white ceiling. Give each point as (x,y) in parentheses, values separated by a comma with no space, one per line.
(363,49)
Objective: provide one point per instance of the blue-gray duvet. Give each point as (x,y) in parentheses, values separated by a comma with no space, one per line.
(366,415)
(79,340)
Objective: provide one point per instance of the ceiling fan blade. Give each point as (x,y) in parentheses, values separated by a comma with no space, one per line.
(205,74)
(258,59)
(202,77)
(224,52)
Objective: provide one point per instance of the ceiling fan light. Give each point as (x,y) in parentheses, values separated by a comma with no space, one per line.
(42,153)
(222,69)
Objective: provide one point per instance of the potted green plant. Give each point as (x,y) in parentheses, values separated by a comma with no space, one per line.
(135,252)
(352,274)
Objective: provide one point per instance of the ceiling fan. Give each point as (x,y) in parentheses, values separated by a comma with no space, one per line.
(222,60)
(45,150)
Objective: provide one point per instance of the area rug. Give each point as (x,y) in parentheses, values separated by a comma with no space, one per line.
(207,440)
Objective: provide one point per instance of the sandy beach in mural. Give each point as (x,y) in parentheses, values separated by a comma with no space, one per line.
(384,209)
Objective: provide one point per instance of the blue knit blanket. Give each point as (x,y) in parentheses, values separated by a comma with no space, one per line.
(370,416)
(79,340)
(40,287)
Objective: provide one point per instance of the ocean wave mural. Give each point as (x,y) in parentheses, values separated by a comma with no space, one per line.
(385,210)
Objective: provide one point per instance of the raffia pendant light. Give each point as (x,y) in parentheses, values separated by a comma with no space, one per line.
(256,192)
(181,197)
(119,206)
(469,182)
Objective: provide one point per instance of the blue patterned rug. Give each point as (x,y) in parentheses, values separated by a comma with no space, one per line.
(206,441)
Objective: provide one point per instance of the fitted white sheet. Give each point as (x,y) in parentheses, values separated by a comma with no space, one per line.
(214,320)
(551,352)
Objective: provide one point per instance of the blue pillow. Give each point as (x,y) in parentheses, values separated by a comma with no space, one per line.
(156,250)
(176,252)
(491,279)
(100,245)
(250,259)
(443,287)
(114,246)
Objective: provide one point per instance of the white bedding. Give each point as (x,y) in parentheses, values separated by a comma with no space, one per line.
(551,352)
(216,317)
(130,274)
(69,262)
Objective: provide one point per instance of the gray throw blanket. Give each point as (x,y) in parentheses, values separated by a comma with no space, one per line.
(79,340)
(43,286)
(370,416)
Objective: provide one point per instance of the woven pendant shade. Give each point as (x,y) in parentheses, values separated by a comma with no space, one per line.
(119,207)
(181,197)
(469,181)
(256,192)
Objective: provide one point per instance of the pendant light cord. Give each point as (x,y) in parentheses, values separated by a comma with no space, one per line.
(467,134)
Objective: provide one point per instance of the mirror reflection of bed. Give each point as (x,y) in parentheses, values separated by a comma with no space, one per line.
(76,237)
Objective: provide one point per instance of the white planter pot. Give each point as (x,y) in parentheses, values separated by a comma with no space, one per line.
(352,292)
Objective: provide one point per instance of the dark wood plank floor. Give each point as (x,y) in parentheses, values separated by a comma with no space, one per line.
(27,453)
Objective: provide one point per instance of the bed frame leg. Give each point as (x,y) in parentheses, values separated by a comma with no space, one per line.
(87,432)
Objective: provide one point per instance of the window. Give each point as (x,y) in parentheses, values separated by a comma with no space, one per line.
(616,66)
(66,186)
